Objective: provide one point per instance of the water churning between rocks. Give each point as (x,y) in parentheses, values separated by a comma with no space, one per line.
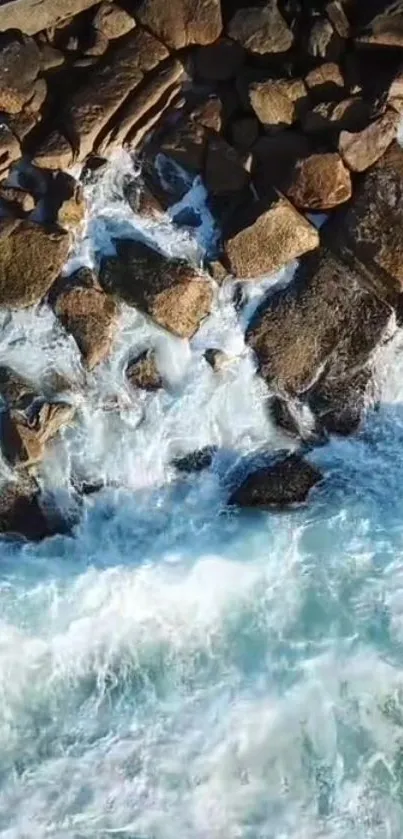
(175,669)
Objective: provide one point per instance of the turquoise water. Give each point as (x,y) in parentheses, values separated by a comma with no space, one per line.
(178,672)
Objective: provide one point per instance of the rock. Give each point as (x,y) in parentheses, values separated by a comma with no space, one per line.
(181,23)
(31,257)
(261,29)
(10,149)
(169,290)
(325,82)
(367,235)
(50,57)
(395,92)
(338,18)
(217,271)
(223,171)
(65,200)
(340,404)
(90,316)
(209,113)
(386,28)
(218,62)
(24,436)
(143,372)
(362,149)
(141,199)
(244,132)
(287,481)
(20,510)
(277,101)
(217,359)
(195,461)
(19,68)
(21,200)
(268,234)
(93,104)
(16,391)
(140,130)
(31,17)
(323,41)
(293,417)
(320,182)
(113,21)
(186,143)
(274,158)
(351,114)
(98,45)
(325,324)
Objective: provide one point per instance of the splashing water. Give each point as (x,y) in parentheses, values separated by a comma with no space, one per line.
(175,671)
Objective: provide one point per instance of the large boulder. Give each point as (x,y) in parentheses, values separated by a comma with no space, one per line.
(90,316)
(261,29)
(31,257)
(266,236)
(19,68)
(287,481)
(320,182)
(181,23)
(31,17)
(314,335)
(170,291)
(368,233)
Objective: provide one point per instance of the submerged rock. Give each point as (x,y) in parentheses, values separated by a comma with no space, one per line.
(173,293)
(143,372)
(31,257)
(195,461)
(217,359)
(287,481)
(24,436)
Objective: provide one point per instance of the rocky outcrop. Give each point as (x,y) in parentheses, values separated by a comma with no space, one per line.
(287,481)
(143,372)
(320,182)
(90,316)
(31,257)
(168,290)
(268,235)
(362,149)
(261,29)
(181,23)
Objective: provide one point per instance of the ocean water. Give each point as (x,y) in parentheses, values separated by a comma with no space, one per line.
(176,671)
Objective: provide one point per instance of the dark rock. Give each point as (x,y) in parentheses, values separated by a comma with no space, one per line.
(287,481)
(261,29)
(181,23)
(217,359)
(143,372)
(274,159)
(218,62)
(244,132)
(351,114)
(326,82)
(19,200)
(293,417)
(340,404)
(223,169)
(209,113)
(386,28)
(19,68)
(186,144)
(90,316)
(362,149)
(169,290)
(266,236)
(10,149)
(16,391)
(20,511)
(323,41)
(31,257)
(320,182)
(50,57)
(338,18)
(195,461)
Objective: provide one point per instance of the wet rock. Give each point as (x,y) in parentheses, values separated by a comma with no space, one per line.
(325,82)
(90,316)
(195,461)
(186,143)
(217,271)
(19,68)
(31,17)
(276,101)
(141,199)
(293,417)
(143,372)
(218,62)
(267,235)
(261,29)
(287,481)
(367,235)
(20,511)
(173,293)
(113,21)
(340,404)
(31,257)
(323,41)
(324,325)
(320,182)
(15,390)
(362,149)
(181,23)
(351,114)
(217,359)
(24,435)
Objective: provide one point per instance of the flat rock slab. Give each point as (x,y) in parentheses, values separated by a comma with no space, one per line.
(31,16)
(287,481)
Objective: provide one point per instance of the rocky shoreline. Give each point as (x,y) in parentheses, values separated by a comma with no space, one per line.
(286,111)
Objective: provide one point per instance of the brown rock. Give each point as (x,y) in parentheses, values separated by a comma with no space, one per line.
(140,130)
(323,41)
(395,92)
(54,152)
(50,57)
(98,44)
(217,271)
(10,149)
(113,21)
(223,172)
(90,316)
(386,28)
(325,82)
(324,325)
(72,209)
(338,18)
(31,257)
(24,437)
(209,113)
(276,102)
(288,480)
(269,234)
(274,158)
(143,372)
(320,182)
(181,23)
(39,93)
(19,199)
(170,291)
(218,62)
(20,510)
(261,29)
(31,17)
(367,234)
(186,143)
(19,68)
(362,149)
(350,114)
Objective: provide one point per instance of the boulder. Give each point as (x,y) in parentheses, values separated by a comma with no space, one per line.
(186,144)
(266,236)
(276,102)
(261,29)
(25,435)
(244,132)
(209,113)
(386,28)
(318,331)
(195,461)
(10,149)
(217,359)
(287,481)
(325,82)
(31,17)
(218,62)
(31,257)
(50,57)
(367,235)
(19,200)
(20,511)
(323,41)
(338,18)
(15,390)
(170,291)
(90,316)
(320,182)
(224,171)
(181,23)
(143,372)
(19,68)
(274,158)
(113,21)
(351,114)
(65,200)
(362,149)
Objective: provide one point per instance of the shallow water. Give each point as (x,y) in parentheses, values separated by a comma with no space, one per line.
(178,671)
